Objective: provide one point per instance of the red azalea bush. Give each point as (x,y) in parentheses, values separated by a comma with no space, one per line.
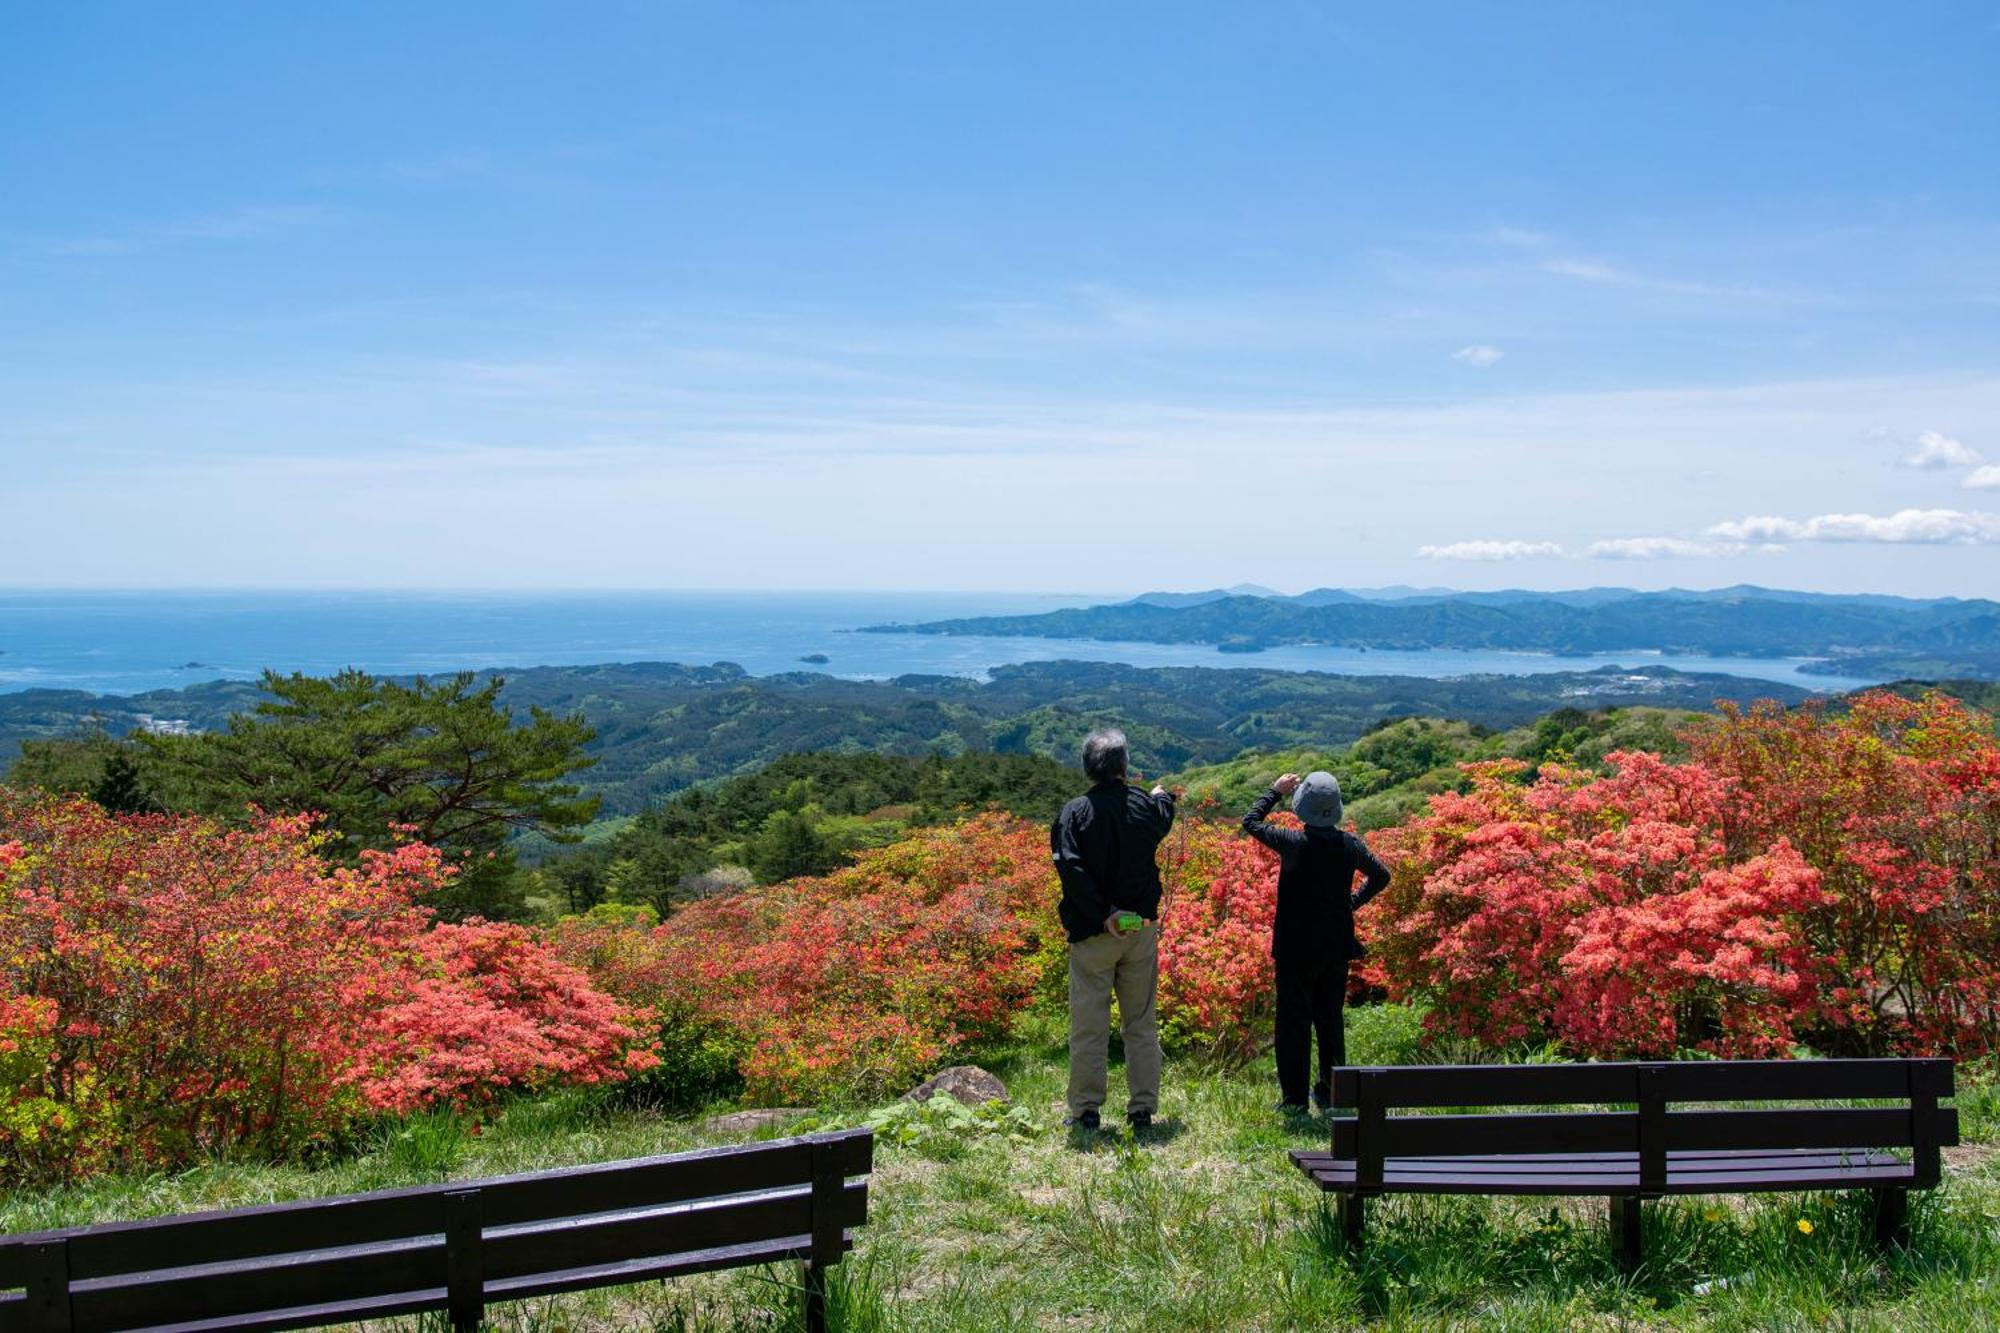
(171,989)
(476,1010)
(1806,876)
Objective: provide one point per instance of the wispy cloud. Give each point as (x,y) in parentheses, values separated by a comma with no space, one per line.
(1983,479)
(1478,355)
(1934,451)
(1491,550)
(1921,527)
(1657,548)
(1519,238)
(234,225)
(1600,273)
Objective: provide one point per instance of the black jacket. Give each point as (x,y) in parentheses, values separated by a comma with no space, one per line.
(1316,898)
(1103,844)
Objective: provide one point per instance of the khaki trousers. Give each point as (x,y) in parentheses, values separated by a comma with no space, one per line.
(1128,965)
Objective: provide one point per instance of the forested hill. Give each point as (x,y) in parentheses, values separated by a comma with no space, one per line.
(663,727)
(1892,636)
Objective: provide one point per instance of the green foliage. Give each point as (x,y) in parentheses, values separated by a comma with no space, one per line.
(72,764)
(662,728)
(1385,1034)
(427,1144)
(120,789)
(790,844)
(442,762)
(1390,773)
(802,814)
(944,1129)
(699,1063)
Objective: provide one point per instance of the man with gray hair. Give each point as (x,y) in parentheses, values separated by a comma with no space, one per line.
(1104,843)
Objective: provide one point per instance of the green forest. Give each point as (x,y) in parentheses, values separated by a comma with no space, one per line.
(561,789)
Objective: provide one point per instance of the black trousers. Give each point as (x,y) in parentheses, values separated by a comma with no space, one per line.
(1311,993)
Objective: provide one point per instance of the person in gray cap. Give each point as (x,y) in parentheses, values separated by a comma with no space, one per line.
(1313,938)
(1104,843)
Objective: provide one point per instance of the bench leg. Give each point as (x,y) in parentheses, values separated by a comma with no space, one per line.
(1625,1230)
(815,1280)
(1892,1217)
(1353,1213)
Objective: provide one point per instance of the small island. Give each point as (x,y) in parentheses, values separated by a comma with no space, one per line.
(816,659)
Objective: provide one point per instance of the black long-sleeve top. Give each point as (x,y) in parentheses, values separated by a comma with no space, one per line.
(1103,844)
(1316,897)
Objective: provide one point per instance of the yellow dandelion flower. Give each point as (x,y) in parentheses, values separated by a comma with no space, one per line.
(1712,1214)
(1805,1227)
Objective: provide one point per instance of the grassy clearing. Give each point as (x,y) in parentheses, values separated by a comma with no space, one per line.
(1006,1225)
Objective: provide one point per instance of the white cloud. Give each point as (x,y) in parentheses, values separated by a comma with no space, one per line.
(1932,451)
(1479,355)
(1916,527)
(1490,550)
(1654,548)
(1983,479)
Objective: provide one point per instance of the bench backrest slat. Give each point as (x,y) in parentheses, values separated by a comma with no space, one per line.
(323,1224)
(580,1243)
(441,1244)
(1682,1081)
(1656,1128)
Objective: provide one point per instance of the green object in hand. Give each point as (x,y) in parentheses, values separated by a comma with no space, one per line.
(1130,921)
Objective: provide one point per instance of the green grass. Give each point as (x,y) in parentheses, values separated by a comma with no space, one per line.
(1007,1223)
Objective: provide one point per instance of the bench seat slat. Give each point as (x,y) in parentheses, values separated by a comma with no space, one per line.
(1598,1174)
(1619,1183)
(1586,1162)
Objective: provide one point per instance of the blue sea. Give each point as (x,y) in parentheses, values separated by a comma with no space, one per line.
(129,642)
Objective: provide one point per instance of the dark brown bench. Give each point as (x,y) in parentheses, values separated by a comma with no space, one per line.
(454,1247)
(1661,1145)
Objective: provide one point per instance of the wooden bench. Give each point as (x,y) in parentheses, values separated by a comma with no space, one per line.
(1659,1146)
(454,1247)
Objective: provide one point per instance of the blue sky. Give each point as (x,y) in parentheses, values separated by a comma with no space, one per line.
(1011,297)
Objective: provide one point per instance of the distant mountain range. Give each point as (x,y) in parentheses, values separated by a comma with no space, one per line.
(1890,636)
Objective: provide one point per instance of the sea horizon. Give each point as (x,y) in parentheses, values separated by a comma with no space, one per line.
(133,641)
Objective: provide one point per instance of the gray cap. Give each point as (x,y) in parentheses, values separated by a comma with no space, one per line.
(1317,800)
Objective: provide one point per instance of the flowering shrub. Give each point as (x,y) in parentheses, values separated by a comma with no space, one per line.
(1217,981)
(1804,877)
(1896,803)
(479,1009)
(1610,913)
(171,989)
(853,983)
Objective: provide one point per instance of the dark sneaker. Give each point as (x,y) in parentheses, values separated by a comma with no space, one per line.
(1086,1121)
(1323,1095)
(1140,1121)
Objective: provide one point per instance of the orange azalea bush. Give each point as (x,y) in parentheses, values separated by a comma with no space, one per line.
(857,982)
(171,989)
(1218,985)
(1896,804)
